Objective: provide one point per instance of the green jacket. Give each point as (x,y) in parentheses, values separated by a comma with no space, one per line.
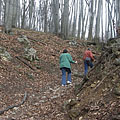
(65,60)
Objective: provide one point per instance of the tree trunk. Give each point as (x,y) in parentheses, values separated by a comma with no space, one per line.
(45,15)
(0,10)
(8,15)
(91,21)
(75,19)
(97,27)
(65,20)
(23,15)
(14,17)
(56,16)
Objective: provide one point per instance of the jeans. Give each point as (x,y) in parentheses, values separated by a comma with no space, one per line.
(87,63)
(64,71)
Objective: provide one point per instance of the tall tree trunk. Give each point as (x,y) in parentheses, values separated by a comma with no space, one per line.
(14,17)
(18,14)
(23,15)
(8,15)
(45,15)
(91,21)
(65,20)
(31,5)
(83,24)
(56,16)
(118,12)
(75,19)
(0,10)
(80,17)
(97,27)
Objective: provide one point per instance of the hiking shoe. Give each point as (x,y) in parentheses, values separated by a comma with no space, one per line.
(68,82)
(63,85)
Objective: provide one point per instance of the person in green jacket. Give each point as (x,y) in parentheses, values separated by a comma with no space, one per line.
(65,66)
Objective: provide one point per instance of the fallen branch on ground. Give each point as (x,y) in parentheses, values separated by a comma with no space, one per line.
(25,62)
(12,106)
(37,41)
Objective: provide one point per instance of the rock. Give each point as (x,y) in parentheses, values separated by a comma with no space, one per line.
(117,62)
(73,114)
(74,43)
(24,40)
(4,54)
(30,54)
(73,102)
(69,104)
(116,90)
(66,106)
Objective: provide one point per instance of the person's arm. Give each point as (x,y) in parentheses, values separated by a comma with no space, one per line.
(71,60)
(91,56)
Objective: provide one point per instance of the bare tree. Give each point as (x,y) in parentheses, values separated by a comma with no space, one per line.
(31,5)
(74,23)
(80,21)
(8,15)
(97,26)
(65,20)
(23,11)
(55,11)
(45,15)
(0,9)
(90,35)
(14,14)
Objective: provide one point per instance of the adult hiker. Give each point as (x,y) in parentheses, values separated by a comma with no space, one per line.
(65,66)
(88,58)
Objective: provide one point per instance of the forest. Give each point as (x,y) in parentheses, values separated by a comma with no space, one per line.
(84,19)
(33,36)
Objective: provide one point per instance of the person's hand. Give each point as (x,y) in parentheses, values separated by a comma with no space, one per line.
(75,62)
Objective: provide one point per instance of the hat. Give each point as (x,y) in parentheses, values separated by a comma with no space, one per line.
(88,48)
(65,51)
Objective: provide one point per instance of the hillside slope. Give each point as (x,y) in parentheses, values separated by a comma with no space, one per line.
(34,84)
(39,79)
(99,97)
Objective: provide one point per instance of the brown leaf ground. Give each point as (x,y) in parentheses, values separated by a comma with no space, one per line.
(45,95)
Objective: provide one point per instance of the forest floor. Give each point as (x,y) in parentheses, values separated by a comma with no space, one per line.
(40,81)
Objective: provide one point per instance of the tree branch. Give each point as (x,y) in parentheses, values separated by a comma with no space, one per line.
(12,106)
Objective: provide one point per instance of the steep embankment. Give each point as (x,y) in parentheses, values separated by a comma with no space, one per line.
(98,98)
(29,64)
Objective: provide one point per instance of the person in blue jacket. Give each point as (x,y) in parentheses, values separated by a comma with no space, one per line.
(65,66)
